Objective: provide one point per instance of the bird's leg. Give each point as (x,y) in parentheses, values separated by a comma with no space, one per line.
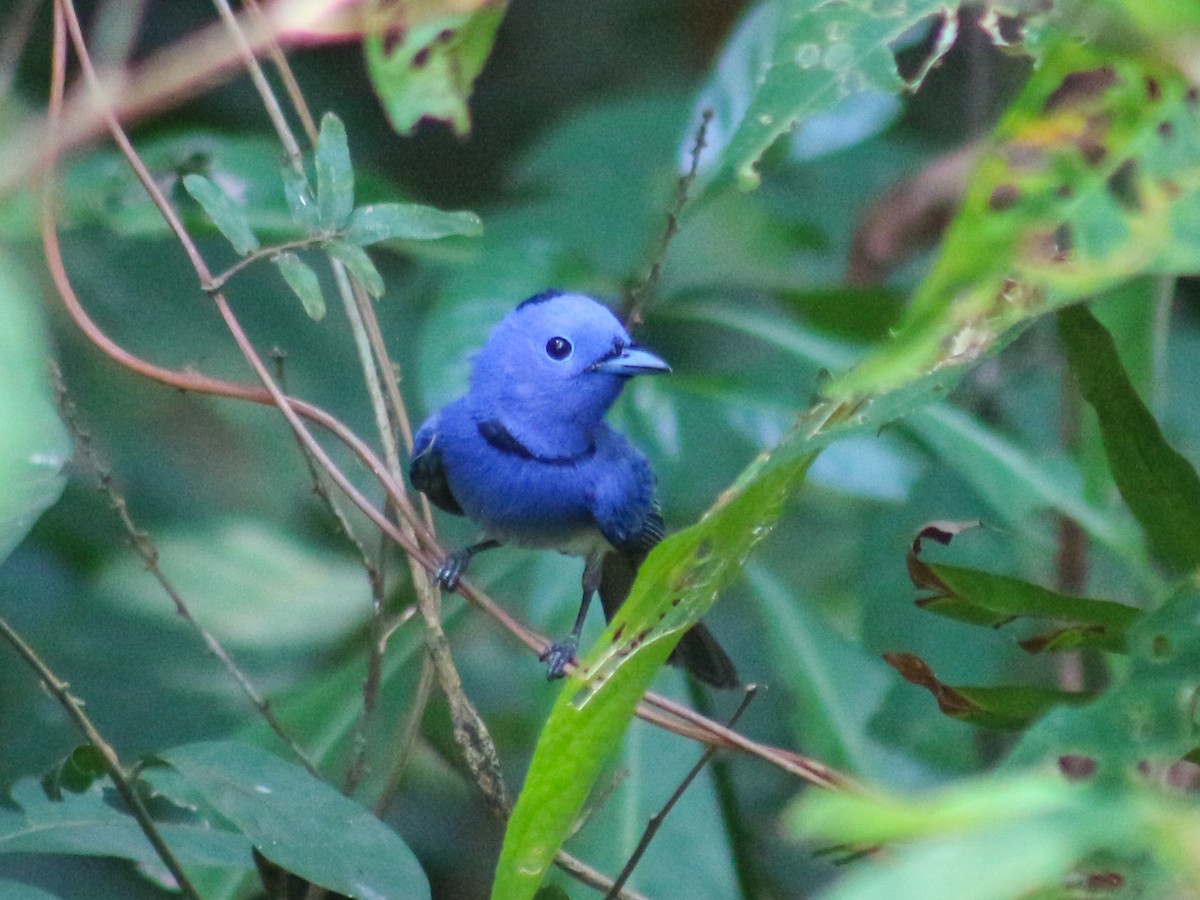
(561,653)
(456,563)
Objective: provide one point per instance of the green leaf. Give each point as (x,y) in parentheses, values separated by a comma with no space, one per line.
(300,200)
(229,219)
(649,766)
(33,443)
(304,283)
(676,584)
(983,598)
(335,175)
(410,221)
(1089,180)
(300,823)
(1157,482)
(1008,707)
(790,60)
(92,823)
(431,70)
(356,260)
(1023,835)
(1148,716)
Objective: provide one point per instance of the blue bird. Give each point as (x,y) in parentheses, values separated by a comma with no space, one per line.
(526,455)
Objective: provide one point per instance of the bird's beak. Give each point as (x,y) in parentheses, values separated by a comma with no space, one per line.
(632,360)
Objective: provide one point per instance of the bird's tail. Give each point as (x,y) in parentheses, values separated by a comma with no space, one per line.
(697,651)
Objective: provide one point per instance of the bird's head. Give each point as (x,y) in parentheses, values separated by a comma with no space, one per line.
(552,368)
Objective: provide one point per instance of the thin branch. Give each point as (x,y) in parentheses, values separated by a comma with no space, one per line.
(659,817)
(290,84)
(145,548)
(218,281)
(112,763)
(167,77)
(636,297)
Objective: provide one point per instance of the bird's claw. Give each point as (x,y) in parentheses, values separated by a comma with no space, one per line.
(452,570)
(558,656)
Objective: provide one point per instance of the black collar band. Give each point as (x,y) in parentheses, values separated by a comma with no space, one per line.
(494,432)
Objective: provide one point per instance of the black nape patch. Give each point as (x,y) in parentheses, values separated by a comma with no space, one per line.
(540,298)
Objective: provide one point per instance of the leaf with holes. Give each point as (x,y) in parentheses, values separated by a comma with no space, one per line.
(1091,178)
(983,598)
(793,59)
(427,69)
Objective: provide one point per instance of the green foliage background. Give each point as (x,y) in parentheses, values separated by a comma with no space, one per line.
(832,421)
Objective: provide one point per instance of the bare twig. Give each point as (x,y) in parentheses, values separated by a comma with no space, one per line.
(166,78)
(659,817)
(636,296)
(146,549)
(112,763)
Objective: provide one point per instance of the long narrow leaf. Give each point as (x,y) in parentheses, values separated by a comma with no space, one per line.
(1159,485)
(595,706)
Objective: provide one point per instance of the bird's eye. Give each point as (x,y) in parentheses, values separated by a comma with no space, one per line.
(558,348)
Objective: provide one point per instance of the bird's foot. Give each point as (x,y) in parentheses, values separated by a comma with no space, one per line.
(452,569)
(558,656)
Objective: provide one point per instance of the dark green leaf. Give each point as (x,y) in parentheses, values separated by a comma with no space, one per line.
(300,823)
(335,175)
(304,283)
(18,890)
(93,824)
(1158,484)
(229,219)
(410,221)
(355,258)
(431,71)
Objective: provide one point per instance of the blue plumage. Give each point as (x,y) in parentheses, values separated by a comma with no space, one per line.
(527,456)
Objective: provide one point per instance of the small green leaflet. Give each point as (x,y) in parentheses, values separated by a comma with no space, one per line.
(335,175)
(304,283)
(228,218)
(408,221)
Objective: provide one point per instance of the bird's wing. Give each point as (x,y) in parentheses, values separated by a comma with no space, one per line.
(427,472)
